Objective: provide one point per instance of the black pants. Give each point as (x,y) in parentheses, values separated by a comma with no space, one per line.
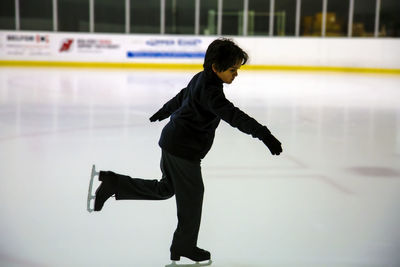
(180,177)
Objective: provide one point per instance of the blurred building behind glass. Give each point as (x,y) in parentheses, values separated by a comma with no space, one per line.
(312,18)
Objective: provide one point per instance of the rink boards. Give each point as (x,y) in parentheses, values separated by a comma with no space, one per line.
(26,48)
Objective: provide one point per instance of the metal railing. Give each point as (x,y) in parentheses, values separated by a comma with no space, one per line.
(245,21)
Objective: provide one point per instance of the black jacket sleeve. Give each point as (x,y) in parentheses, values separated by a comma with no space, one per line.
(223,108)
(174,103)
(169,107)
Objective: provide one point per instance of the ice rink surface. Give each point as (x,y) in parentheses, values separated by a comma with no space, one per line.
(331,199)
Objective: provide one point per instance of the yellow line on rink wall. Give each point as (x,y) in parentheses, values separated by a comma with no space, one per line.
(322,69)
(99,65)
(182,66)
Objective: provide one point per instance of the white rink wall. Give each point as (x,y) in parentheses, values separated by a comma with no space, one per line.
(331,52)
(383,53)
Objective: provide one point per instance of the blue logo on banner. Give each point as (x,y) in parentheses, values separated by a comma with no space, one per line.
(189,42)
(155,42)
(155,54)
(170,42)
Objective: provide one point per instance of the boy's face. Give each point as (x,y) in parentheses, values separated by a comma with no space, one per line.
(229,75)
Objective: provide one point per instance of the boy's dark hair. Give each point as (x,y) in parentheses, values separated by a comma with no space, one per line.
(223,53)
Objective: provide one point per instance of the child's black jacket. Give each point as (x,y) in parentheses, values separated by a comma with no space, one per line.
(196,112)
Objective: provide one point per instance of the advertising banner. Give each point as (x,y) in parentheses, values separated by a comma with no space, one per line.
(78,47)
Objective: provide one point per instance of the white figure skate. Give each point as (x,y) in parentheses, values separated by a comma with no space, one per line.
(91,195)
(197,264)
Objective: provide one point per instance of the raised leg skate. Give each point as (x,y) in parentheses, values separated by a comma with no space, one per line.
(91,195)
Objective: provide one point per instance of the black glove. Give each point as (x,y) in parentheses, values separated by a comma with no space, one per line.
(272,143)
(159,115)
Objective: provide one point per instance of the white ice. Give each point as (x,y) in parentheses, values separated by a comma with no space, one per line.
(331,199)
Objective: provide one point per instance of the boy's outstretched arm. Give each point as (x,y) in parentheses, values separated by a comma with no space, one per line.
(223,108)
(169,107)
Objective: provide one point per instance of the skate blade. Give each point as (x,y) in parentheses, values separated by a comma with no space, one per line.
(197,264)
(91,196)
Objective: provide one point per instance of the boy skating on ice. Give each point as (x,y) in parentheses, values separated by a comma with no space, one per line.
(195,113)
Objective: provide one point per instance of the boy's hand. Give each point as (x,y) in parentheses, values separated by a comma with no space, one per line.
(159,115)
(273,144)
